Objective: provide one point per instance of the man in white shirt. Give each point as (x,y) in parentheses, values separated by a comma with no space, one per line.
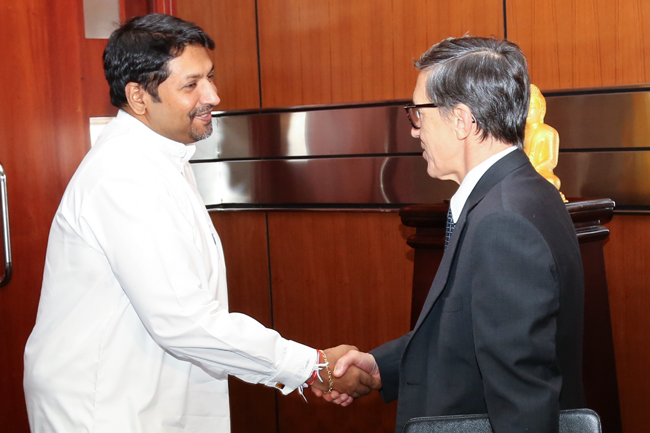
(133,332)
(501,329)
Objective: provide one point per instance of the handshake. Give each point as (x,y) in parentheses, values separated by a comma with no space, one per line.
(354,374)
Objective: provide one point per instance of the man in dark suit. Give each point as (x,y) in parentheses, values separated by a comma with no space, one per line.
(501,329)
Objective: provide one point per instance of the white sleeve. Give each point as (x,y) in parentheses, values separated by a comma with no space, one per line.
(147,232)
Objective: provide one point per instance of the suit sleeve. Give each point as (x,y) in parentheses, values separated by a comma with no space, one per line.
(515,302)
(388,357)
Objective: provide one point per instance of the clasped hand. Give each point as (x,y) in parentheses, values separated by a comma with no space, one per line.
(354,373)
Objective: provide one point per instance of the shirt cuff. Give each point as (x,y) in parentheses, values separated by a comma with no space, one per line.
(296,368)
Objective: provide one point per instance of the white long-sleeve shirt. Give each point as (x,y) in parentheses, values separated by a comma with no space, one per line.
(133,332)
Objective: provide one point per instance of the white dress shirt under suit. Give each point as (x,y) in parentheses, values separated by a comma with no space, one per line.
(133,332)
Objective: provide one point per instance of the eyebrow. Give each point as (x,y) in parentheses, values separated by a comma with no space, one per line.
(199,75)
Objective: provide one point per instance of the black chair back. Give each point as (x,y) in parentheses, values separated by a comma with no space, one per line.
(571,421)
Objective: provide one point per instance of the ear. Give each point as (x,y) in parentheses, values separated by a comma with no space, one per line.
(463,121)
(135,97)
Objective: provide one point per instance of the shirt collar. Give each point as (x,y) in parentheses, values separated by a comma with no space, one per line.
(175,151)
(471,179)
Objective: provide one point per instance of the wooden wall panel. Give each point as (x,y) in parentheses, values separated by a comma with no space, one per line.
(133,8)
(582,43)
(96,96)
(339,277)
(41,142)
(232,26)
(332,51)
(243,235)
(627,260)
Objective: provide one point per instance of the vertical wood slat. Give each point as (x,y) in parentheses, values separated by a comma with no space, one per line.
(628,276)
(232,26)
(583,43)
(339,277)
(331,51)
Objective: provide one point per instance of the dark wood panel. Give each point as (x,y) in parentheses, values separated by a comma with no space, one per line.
(582,43)
(330,51)
(243,235)
(42,132)
(233,28)
(627,260)
(338,278)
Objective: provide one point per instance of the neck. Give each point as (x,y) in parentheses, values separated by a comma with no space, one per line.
(479,151)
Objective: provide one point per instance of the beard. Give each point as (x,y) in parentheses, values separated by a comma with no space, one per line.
(197,133)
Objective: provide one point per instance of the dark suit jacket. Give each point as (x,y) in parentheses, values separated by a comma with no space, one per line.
(501,329)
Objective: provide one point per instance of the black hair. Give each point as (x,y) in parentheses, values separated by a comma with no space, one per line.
(140,52)
(488,75)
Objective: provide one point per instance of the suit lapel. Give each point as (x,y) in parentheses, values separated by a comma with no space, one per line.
(492,177)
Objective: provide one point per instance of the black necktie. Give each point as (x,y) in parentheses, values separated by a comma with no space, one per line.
(450,227)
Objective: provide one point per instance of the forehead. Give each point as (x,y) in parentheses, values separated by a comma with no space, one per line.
(194,61)
(420,92)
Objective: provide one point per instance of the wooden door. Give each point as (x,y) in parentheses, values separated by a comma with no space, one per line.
(42,140)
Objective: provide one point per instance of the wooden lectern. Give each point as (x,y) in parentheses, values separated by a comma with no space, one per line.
(599,366)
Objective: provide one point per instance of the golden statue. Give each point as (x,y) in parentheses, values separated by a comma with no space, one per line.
(542,142)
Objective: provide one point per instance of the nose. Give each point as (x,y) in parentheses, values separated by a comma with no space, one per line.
(209,95)
(415,133)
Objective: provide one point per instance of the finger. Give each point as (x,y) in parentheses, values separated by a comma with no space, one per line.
(360,391)
(366,379)
(343,398)
(347,402)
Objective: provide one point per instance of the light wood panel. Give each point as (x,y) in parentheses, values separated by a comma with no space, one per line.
(582,43)
(627,260)
(243,235)
(331,51)
(339,277)
(232,26)
(42,132)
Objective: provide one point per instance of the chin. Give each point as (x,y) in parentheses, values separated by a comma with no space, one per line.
(198,135)
(431,170)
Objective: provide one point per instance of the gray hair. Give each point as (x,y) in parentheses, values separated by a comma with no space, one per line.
(488,75)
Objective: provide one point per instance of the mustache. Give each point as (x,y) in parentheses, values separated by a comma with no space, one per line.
(200,110)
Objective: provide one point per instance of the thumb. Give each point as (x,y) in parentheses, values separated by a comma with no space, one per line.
(344,362)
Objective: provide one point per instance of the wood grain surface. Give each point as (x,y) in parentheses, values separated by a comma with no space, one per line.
(42,140)
(627,261)
(233,28)
(582,43)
